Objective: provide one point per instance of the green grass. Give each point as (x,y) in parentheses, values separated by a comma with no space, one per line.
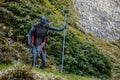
(63,75)
(4,66)
(48,72)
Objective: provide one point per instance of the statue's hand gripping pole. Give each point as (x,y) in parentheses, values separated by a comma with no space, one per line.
(66,13)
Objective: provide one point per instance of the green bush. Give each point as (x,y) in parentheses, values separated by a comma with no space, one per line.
(81,58)
(88,61)
(18,73)
(25,72)
(8,54)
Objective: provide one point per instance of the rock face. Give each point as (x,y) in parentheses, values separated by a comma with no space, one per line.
(100,17)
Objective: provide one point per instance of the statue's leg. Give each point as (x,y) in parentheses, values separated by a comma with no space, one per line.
(34,56)
(43,57)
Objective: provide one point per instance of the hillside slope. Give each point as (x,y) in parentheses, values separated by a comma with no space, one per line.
(37,74)
(85,54)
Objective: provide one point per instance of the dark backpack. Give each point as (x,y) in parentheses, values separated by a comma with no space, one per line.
(40,31)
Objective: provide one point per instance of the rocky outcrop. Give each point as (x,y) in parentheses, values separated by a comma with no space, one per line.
(100,17)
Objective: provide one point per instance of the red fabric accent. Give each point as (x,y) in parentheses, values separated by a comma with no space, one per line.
(32,38)
(45,38)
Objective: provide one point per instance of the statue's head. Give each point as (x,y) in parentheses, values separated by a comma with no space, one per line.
(43,19)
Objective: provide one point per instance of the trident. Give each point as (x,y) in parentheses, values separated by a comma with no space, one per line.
(66,13)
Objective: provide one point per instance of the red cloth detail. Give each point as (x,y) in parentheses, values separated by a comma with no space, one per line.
(45,38)
(32,38)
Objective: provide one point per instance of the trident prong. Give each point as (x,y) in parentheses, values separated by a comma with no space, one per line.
(66,12)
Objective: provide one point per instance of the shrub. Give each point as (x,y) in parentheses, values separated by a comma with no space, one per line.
(81,58)
(18,73)
(24,72)
(88,61)
(8,54)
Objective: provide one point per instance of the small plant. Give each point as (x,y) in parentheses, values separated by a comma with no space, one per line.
(24,72)
(18,73)
(8,54)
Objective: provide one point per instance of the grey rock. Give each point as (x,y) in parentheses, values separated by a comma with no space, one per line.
(100,17)
(0,73)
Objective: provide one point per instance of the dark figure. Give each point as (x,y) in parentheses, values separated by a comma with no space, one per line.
(37,39)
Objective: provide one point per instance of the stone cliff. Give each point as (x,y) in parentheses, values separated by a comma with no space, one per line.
(100,17)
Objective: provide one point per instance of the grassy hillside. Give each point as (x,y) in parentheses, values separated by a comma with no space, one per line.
(112,51)
(38,74)
(117,43)
(85,54)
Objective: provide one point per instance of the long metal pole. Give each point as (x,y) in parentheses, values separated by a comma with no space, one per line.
(63,48)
